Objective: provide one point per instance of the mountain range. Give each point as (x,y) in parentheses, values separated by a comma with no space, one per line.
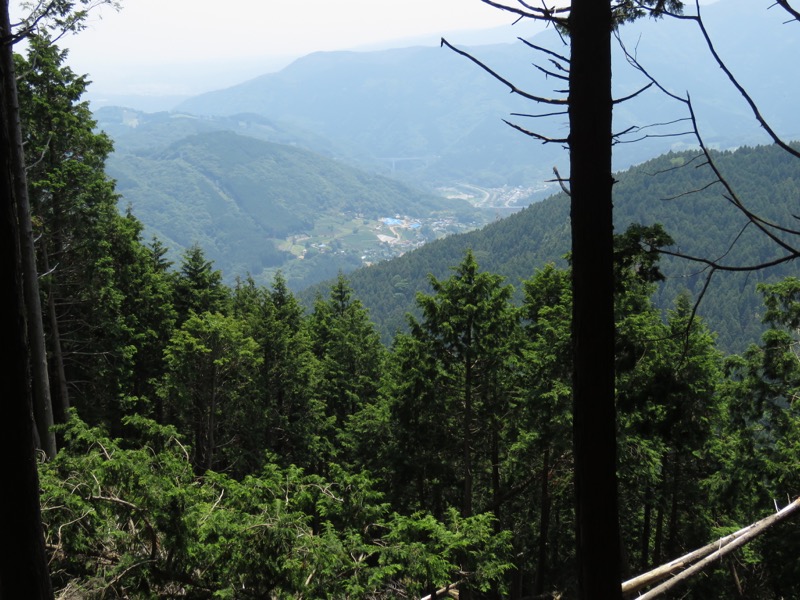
(294,170)
(442,114)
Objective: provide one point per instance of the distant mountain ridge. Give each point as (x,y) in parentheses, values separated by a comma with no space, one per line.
(442,113)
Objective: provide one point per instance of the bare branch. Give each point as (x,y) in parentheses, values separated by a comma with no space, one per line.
(539,116)
(638,66)
(561,182)
(550,73)
(514,89)
(766,227)
(533,46)
(538,136)
(637,128)
(763,225)
(756,112)
(733,268)
(634,94)
(784,4)
(551,15)
(690,192)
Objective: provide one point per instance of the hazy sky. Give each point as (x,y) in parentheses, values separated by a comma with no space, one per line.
(137,48)
(184,47)
(192,29)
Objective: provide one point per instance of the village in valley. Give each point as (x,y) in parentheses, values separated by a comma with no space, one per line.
(374,240)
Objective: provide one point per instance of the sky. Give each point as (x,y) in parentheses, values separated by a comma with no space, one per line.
(180,47)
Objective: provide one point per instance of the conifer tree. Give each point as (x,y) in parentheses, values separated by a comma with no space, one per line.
(198,286)
(210,392)
(23,564)
(541,449)
(24,569)
(462,345)
(349,352)
(105,296)
(294,416)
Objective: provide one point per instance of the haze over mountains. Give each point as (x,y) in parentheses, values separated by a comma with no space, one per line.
(423,115)
(429,104)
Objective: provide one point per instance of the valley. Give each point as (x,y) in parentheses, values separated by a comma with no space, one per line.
(289,171)
(358,238)
(371,240)
(510,198)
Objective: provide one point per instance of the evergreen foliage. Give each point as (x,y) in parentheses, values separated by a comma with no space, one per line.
(128,521)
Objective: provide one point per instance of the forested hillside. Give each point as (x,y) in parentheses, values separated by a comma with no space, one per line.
(256,206)
(221,441)
(670,190)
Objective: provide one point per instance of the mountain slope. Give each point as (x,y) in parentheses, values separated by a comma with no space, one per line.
(249,202)
(672,190)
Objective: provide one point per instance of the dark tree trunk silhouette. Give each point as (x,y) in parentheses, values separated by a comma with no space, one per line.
(23,563)
(590,107)
(42,407)
(544,525)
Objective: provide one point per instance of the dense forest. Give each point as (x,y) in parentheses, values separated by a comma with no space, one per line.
(221,441)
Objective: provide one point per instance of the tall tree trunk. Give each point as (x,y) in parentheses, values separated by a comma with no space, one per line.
(594,433)
(212,424)
(672,538)
(544,522)
(61,401)
(644,561)
(23,563)
(42,407)
(465,593)
(466,449)
(491,399)
(658,543)
(496,484)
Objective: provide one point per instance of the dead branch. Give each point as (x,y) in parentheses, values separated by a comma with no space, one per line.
(151,531)
(549,73)
(768,228)
(731,268)
(561,182)
(541,115)
(551,15)
(538,136)
(440,593)
(538,48)
(634,94)
(784,4)
(735,82)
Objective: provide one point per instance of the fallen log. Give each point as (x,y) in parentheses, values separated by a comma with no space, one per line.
(696,561)
(630,587)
